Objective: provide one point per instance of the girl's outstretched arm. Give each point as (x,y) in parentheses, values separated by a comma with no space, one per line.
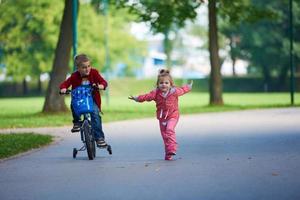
(145,97)
(184,89)
(132,98)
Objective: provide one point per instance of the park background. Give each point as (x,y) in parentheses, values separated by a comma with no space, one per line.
(241,54)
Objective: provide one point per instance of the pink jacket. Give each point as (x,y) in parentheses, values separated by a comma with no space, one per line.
(166,107)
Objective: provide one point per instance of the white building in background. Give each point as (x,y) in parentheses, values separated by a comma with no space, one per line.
(240,67)
(194,58)
(194,66)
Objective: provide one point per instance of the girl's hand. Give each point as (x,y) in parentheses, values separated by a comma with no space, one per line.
(131,97)
(190,85)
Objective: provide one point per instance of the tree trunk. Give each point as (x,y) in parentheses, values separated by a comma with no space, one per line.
(297,77)
(167,49)
(15,88)
(215,82)
(39,84)
(54,102)
(233,67)
(25,86)
(232,55)
(267,78)
(281,84)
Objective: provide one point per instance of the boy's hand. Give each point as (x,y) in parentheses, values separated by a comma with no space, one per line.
(98,86)
(63,90)
(101,87)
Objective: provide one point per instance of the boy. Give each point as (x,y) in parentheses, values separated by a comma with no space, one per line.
(85,75)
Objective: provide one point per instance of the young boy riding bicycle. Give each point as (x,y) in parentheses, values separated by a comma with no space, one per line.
(86,75)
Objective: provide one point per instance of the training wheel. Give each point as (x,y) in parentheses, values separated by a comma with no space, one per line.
(74,152)
(109,149)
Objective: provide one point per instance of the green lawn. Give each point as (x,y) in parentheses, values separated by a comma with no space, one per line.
(12,144)
(26,112)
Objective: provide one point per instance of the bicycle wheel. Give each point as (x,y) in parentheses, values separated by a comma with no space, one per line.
(89,140)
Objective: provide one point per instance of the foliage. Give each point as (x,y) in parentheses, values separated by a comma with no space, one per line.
(28,34)
(164,14)
(235,12)
(265,43)
(123,47)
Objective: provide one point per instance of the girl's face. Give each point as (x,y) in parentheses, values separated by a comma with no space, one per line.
(164,84)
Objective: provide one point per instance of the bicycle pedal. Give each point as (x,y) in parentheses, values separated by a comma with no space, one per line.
(102,147)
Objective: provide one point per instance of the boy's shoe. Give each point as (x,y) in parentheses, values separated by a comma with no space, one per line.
(101,143)
(76,127)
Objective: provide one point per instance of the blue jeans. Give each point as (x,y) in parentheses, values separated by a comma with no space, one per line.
(96,122)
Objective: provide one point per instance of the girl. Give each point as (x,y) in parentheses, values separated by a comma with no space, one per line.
(166,99)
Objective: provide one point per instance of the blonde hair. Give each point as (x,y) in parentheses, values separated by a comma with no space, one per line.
(164,73)
(81,58)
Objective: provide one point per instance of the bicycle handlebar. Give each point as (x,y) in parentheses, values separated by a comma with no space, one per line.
(65,93)
(94,87)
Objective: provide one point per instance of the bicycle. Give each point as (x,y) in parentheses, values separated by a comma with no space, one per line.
(86,132)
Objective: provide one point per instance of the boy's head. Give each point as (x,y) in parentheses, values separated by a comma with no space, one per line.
(83,64)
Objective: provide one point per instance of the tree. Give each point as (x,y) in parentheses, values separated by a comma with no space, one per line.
(123,46)
(27,31)
(54,102)
(267,48)
(215,82)
(234,12)
(90,34)
(165,16)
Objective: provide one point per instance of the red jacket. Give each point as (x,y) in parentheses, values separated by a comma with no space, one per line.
(75,80)
(166,107)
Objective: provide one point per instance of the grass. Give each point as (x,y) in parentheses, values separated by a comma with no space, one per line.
(12,144)
(26,112)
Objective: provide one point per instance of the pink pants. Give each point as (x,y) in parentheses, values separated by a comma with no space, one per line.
(167,129)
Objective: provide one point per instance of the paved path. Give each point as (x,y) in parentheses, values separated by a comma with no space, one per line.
(233,155)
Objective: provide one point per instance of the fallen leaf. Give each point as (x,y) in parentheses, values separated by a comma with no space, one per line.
(275,174)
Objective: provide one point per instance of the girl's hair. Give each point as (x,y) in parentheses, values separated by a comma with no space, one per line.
(80,58)
(164,73)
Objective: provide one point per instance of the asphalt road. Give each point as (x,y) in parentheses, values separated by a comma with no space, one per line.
(233,155)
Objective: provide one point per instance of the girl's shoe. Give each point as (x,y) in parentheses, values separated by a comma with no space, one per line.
(168,157)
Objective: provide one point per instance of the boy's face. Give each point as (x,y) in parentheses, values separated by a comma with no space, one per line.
(164,84)
(84,68)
